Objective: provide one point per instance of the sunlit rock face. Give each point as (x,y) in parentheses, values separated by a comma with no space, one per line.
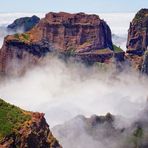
(24,129)
(83,36)
(79,31)
(138,38)
(138,33)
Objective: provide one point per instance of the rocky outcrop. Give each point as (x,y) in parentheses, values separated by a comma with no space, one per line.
(24,129)
(23,24)
(138,33)
(138,39)
(85,37)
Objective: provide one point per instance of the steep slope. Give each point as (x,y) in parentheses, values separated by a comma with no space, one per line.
(19,128)
(138,33)
(144,68)
(85,37)
(138,38)
(80,32)
(23,24)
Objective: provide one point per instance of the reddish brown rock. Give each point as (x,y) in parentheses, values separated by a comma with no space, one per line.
(76,34)
(138,40)
(33,132)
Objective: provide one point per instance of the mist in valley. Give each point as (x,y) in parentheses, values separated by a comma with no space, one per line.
(65,90)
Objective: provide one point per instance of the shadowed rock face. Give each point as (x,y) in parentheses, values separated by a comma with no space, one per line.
(138,33)
(23,24)
(101,131)
(79,32)
(144,68)
(29,129)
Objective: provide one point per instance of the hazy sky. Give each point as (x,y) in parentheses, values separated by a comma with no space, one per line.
(72,5)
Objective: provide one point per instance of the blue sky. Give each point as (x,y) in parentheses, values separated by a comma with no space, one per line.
(72,5)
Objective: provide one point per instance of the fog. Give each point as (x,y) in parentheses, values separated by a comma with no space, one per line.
(64,90)
(8,18)
(119,24)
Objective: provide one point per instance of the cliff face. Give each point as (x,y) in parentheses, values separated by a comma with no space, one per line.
(138,33)
(83,36)
(23,24)
(19,128)
(79,32)
(138,39)
(16,56)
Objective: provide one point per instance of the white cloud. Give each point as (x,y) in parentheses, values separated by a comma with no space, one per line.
(63,91)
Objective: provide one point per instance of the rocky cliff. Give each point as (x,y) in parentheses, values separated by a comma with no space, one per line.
(23,129)
(79,32)
(23,24)
(138,38)
(138,33)
(85,37)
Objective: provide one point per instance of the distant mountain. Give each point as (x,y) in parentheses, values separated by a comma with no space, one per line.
(103,132)
(20,128)
(23,24)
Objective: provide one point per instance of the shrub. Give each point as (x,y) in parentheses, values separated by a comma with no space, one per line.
(25,36)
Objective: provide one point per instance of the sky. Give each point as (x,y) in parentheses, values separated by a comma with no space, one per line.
(72,5)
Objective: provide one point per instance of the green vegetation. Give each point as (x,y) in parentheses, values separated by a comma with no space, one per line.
(138,134)
(16,36)
(105,66)
(11,118)
(70,51)
(25,36)
(137,137)
(117,49)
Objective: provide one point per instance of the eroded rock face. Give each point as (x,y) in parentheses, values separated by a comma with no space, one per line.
(81,35)
(138,33)
(35,133)
(32,132)
(138,40)
(23,24)
(80,32)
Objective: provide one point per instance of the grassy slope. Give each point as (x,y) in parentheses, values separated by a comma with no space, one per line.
(117,49)
(11,118)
